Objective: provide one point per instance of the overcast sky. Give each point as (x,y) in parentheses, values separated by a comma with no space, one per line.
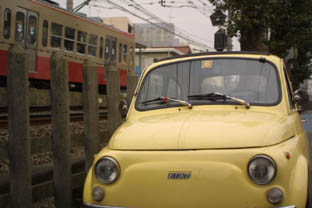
(194,23)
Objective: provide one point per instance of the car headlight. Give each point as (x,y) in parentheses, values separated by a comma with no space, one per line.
(107,170)
(262,169)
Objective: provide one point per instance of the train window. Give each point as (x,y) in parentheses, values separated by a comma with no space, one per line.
(92,45)
(113,55)
(120,52)
(81,42)
(101,47)
(7,23)
(131,55)
(20,27)
(56,35)
(69,39)
(125,53)
(32,30)
(107,46)
(45,27)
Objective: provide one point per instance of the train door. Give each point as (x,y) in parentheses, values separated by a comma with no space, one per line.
(26,34)
(110,51)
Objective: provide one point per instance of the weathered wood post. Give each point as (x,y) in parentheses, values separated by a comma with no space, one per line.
(19,140)
(91,111)
(113,99)
(132,81)
(60,131)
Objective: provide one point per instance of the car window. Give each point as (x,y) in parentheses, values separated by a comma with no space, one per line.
(252,80)
(167,81)
(289,92)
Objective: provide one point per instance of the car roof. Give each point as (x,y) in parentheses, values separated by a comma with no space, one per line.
(216,53)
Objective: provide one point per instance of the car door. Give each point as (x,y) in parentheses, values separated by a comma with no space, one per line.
(293,113)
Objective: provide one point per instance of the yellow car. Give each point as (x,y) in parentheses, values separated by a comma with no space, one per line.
(206,130)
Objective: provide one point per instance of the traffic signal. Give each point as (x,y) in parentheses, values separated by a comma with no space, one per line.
(220,40)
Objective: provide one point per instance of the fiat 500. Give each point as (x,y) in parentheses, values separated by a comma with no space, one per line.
(208,130)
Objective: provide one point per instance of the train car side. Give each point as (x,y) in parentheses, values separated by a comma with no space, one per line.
(42,28)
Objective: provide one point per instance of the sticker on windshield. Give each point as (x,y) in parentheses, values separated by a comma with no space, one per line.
(206,64)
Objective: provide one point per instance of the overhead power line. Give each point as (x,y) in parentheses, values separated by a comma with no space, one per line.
(153,16)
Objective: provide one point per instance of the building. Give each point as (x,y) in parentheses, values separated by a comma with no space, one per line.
(147,56)
(121,23)
(156,35)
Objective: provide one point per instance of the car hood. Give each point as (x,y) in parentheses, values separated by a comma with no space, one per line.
(203,130)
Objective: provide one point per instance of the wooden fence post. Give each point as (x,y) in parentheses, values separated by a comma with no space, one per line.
(62,172)
(91,111)
(19,140)
(132,81)
(113,99)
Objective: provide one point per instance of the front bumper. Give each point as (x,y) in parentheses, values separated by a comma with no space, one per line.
(86,205)
(102,206)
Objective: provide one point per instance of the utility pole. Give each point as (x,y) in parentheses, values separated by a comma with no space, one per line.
(169,34)
(69,5)
(162,3)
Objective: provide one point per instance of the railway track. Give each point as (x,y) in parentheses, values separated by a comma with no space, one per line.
(42,115)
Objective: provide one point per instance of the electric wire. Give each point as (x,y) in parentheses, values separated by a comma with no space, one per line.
(153,16)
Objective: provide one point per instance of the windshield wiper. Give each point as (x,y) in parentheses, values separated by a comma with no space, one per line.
(214,96)
(165,100)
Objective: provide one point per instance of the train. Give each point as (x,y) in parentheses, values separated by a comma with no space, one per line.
(42,27)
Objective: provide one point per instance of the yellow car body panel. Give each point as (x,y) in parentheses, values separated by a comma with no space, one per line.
(213,144)
(199,128)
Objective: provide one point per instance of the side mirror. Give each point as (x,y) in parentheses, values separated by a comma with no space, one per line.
(299,108)
(297,98)
(123,108)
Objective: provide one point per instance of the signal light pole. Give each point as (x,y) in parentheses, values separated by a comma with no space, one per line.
(162,3)
(221,40)
(69,5)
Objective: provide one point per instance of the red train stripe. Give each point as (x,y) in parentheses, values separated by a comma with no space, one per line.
(3,62)
(74,70)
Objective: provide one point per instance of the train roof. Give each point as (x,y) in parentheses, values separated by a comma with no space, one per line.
(83,16)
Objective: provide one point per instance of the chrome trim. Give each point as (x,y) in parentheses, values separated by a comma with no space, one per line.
(102,206)
(86,205)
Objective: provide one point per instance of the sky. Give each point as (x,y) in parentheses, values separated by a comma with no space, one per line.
(194,23)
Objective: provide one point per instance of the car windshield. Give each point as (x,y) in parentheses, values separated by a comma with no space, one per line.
(254,81)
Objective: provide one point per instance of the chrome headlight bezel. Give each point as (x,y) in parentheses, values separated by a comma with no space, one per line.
(113,165)
(272,166)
